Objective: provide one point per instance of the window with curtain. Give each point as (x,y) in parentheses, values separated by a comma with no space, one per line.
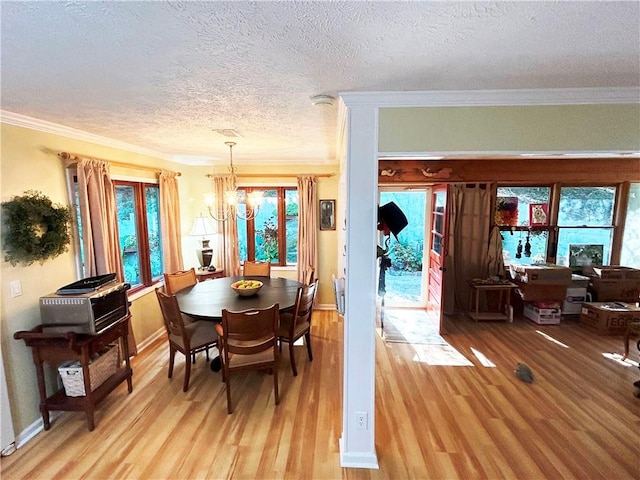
(273,234)
(137,206)
(577,231)
(138,210)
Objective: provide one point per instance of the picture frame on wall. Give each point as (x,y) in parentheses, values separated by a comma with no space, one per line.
(327,214)
(538,214)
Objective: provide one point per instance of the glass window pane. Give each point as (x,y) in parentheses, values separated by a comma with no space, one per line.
(291,206)
(537,253)
(584,236)
(630,254)
(586,206)
(436,244)
(525,200)
(266,228)
(125,204)
(152,195)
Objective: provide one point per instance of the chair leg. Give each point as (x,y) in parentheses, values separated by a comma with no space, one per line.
(187,374)
(307,340)
(292,359)
(172,356)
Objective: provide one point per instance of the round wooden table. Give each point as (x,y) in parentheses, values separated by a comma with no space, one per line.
(206,300)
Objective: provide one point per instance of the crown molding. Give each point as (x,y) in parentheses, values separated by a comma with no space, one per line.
(478,98)
(19,120)
(44,126)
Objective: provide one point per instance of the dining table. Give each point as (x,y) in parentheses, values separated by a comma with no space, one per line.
(206,300)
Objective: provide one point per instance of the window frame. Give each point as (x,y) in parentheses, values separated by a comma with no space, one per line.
(282,221)
(553,229)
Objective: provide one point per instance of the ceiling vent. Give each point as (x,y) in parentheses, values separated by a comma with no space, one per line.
(227,132)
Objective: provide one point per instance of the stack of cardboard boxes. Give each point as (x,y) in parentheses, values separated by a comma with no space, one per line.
(543,288)
(616,290)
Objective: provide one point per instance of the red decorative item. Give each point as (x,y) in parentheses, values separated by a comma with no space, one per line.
(506,212)
(538,214)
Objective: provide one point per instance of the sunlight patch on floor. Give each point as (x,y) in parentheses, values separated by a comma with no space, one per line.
(616,357)
(444,355)
(482,358)
(551,339)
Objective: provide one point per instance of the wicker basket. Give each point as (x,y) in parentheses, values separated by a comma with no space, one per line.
(100,369)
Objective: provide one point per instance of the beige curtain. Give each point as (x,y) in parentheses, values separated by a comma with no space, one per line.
(170,221)
(99,218)
(227,249)
(469,219)
(100,240)
(307,226)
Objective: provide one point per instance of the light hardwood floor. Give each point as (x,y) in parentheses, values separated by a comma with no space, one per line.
(578,420)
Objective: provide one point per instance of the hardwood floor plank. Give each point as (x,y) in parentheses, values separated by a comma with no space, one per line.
(577,420)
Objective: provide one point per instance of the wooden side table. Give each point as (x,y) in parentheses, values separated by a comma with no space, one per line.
(57,348)
(203,275)
(504,301)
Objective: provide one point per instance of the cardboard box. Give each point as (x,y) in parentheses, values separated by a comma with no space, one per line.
(573,301)
(532,292)
(546,274)
(543,313)
(579,281)
(612,290)
(613,272)
(608,318)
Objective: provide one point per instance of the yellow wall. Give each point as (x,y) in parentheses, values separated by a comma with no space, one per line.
(510,128)
(29,162)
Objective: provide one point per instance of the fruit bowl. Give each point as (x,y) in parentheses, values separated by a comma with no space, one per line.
(246,288)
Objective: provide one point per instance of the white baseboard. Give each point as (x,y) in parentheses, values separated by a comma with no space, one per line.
(358,459)
(34,429)
(150,339)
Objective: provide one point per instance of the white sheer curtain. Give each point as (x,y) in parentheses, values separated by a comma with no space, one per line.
(170,221)
(469,214)
(307,226)
(227,249)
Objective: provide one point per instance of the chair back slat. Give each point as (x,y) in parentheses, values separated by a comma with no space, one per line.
(174,282)
(250,331)
(304,304)
(256,269)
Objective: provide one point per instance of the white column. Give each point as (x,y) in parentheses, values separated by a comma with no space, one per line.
(357,445)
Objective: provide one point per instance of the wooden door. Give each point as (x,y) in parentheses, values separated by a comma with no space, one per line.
(437,247)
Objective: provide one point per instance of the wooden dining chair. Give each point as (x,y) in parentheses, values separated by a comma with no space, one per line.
(174,282)
(297,324)
(256,269)
(248,341)
(309,275)
(185,338)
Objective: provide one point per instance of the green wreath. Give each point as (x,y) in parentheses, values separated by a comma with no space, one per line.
(36,229)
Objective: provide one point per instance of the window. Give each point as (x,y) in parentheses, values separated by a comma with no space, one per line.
(273,234)
(578,231)
(138,210)
(630,254)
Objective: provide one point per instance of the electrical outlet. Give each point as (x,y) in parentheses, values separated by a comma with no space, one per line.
(362,421)
(16,288)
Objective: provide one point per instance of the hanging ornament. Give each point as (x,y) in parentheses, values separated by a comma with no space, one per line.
(519,249)
(527,247)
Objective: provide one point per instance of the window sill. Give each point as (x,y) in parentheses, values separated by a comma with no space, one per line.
(142,292)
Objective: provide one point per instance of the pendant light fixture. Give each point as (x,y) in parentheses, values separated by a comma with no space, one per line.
(234,202)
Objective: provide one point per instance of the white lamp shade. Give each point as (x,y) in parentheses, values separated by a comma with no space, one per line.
(201,227)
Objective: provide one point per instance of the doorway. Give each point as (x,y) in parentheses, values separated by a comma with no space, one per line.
(406,279)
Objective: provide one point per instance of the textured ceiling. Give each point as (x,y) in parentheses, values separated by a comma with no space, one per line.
(162,75)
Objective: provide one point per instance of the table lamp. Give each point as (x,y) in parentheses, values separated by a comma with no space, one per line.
(201,228)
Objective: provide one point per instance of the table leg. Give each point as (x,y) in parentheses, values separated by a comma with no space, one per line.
(477,303)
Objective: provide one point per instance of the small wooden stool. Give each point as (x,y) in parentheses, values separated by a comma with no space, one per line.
(633,327)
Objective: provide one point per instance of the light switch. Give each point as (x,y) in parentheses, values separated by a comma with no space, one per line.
(16,288)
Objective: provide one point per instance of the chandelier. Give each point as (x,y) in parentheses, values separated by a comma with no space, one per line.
(234,202)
